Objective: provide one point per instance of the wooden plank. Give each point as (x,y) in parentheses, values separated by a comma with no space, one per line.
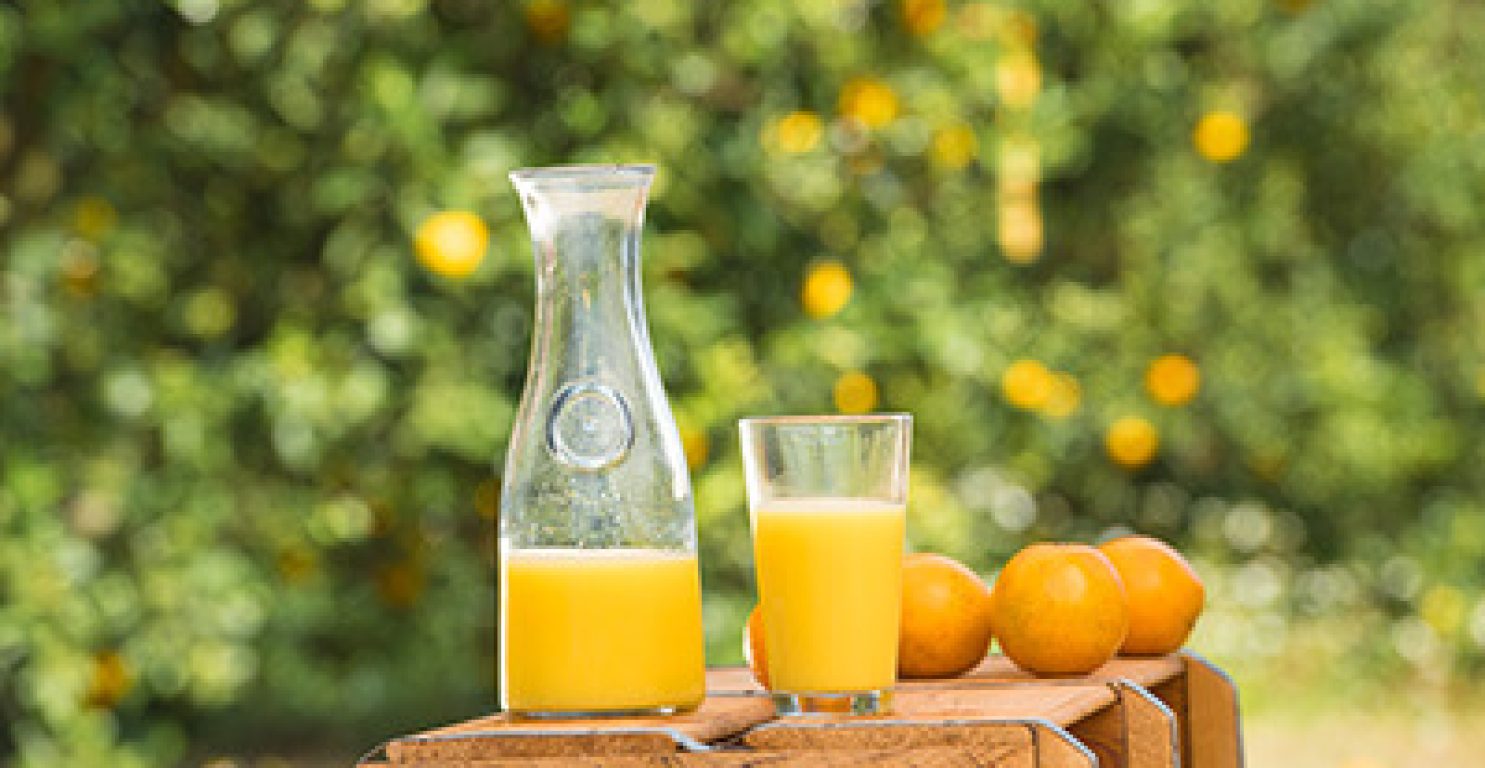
(994,743)
(1146,671)
(1172,693)
(1214,730)
(1137,732)
(1060,703)
(476,745)
(996,716)
(717,718)
(918,757)
(1056,748)
(1003,722)
(1152,738)
(1105,734)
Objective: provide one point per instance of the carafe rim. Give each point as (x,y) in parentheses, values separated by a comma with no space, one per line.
(590,176)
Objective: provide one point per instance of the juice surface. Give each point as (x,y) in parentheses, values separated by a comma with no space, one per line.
(600,630)
(830,583)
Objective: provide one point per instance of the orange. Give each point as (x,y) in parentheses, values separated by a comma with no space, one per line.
(1059,609)
(945,617)
(753,650)
(1165,594)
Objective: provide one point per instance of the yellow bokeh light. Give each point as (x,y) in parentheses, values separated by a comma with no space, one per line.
(865,163)
(1173,380)
(79,271)
(1018,29)
(1021,234)
(1220,136)
(1027,384)
(695,445)
(452,243)
(922,17)
(110,680)
(870,101)
(1443,608)
(855,392)
(1132,442)
(94,217)
(487,498)
(827,289)
(1064,396)
(798,132)
(399,584)
(978,21)
(548,20)
(296,565)
(1018,78)
(1019,166)
(953,146)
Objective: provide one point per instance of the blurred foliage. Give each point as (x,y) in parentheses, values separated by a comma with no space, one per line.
(1213,271)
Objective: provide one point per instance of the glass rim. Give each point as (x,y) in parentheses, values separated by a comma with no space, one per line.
(834,418)
(585,175)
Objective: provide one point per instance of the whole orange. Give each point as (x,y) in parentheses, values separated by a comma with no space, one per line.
(1165,594)
(753,650)
(1059,609)
(945,617)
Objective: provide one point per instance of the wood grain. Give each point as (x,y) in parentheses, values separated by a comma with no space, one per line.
(919,757)
(1151,735)
(717,718)
(1172,693)
(1056,748)
(1138,731)
(997,716)
(1105,733)
(1005,740)
(1142,670)
(1214,724)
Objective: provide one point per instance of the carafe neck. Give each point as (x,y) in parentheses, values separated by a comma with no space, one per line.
(585,227)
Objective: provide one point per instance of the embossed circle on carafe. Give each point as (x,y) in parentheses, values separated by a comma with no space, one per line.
(589,426)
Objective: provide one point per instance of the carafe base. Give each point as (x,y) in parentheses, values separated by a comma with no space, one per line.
(599,714)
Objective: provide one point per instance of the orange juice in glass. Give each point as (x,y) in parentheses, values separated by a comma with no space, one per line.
(827,497)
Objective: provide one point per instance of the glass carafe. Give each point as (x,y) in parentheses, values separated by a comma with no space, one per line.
(600,600)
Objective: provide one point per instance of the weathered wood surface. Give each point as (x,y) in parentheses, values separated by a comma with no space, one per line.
(1134,713)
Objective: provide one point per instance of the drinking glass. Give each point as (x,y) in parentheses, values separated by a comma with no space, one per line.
(827,497)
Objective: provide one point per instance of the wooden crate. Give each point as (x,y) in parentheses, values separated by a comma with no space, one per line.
(1158,712)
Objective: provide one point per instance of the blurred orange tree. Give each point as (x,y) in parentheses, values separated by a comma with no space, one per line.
(1215,272)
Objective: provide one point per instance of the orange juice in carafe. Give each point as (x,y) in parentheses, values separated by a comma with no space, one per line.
(601,630)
